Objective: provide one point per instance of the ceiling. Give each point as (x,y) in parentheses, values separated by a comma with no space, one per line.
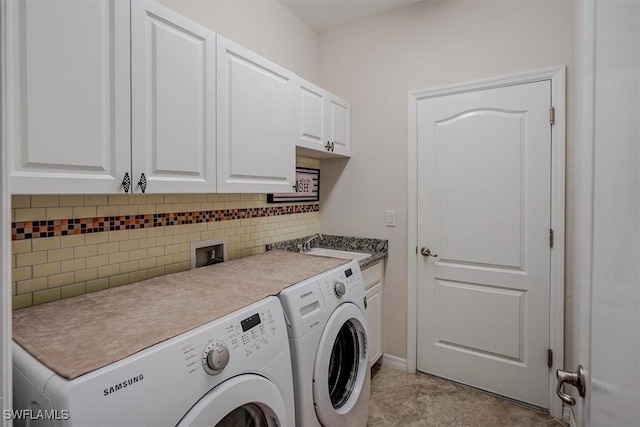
(325,15)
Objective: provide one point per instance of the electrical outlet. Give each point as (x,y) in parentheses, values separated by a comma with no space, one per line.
(390,218)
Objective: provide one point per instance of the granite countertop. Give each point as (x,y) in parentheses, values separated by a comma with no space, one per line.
(378,248)
(77,335)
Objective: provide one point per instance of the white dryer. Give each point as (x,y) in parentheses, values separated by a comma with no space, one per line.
(328,339)
(233,371)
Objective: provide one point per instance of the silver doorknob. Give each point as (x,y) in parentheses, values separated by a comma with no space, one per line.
(427,252)
(575,379)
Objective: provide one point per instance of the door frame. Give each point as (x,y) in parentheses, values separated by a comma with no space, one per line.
(556,304)
(5,229)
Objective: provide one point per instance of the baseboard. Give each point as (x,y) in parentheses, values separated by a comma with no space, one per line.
(394,362)
(568,417)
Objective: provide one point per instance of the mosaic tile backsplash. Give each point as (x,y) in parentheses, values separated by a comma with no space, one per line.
(69,245)
(73,226)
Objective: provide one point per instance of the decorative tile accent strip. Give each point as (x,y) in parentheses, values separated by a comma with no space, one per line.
(67,227)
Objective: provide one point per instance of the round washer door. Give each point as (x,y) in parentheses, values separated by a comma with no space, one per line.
(340,366)
(248,400)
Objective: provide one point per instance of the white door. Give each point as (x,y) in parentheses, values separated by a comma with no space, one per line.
(256,130)
(610,280)
(173,101)
(484,210)
(68,95)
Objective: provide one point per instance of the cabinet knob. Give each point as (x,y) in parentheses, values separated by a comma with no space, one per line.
(143,183)
(328,146)
(332,147)
(126,182)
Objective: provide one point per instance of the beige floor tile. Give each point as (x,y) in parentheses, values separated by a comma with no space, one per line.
(401,399)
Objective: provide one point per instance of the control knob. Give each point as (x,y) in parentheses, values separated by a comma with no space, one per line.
(216,357)
(339,289)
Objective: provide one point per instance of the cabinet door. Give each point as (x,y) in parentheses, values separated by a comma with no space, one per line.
(310,115)
(374,322)
(339,125)
(173,101)
(256,136)
(68,94)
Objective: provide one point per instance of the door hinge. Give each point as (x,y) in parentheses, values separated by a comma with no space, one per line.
(551,238)
(552,115)
(549,358)
(416,249)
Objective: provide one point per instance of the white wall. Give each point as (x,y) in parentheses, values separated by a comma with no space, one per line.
(375,63)
(265,27)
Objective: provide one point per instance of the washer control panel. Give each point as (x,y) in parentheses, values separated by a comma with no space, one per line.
(256,331)
(241,339)
(216,357)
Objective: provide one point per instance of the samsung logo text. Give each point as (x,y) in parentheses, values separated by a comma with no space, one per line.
(122,385)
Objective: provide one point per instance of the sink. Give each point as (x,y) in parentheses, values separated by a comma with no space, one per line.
(336,253)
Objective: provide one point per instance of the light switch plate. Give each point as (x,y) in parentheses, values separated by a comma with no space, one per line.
(390,218)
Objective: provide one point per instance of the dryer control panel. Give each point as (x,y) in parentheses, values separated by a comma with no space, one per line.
(309,304)
(346,284)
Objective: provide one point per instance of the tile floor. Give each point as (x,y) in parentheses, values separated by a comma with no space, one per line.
(401,399)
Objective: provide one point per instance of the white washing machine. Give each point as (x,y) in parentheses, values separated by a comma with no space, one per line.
(328,339)
(233,371)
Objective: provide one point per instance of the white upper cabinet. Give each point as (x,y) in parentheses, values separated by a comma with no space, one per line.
(311,116)
(105,89)
(339,127)
(116,96)
(173,101)
(323,122)
(68,95)
(256,137)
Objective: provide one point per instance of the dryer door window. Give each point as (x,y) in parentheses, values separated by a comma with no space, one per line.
(250,415)
(340,373)
(344,364)
(244,400)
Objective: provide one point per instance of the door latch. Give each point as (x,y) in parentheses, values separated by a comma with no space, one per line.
(576,379)
(427,252)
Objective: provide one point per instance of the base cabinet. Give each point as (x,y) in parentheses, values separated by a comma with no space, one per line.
(373,277)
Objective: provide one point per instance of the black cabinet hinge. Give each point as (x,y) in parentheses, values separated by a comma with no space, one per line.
(549,358)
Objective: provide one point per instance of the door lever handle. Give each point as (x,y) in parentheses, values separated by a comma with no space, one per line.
(427,252)
(575,379)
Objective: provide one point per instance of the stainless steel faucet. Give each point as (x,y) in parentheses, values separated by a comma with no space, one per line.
(306,246)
